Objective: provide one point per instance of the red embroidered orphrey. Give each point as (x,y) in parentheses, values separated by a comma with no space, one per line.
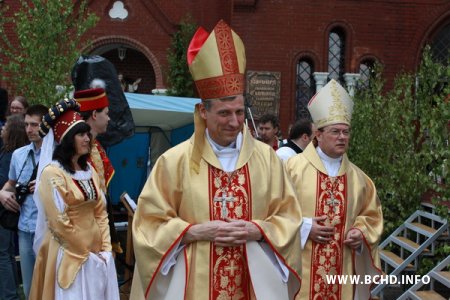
(230,196)
(327,259)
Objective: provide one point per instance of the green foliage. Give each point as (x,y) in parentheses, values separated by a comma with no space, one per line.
(400,139)
(428,263)
(179,79)
(46,44)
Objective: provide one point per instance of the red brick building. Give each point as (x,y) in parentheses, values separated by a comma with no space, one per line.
(307,41)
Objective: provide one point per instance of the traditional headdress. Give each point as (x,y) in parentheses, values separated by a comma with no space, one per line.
(91,99)
(217,62)
(331,105)
(61,117)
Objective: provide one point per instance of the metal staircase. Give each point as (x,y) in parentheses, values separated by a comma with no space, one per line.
(440,273)
(400,252)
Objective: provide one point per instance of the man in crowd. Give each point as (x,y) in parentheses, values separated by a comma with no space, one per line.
(300,135)
(20,187)
(209,218)
(268,127)
(94,110)
(343,220)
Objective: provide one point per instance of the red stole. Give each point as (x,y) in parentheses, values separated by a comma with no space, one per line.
(230,195)
(327,259)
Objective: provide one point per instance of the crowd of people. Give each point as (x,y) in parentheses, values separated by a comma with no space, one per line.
(221,216)
(58,183)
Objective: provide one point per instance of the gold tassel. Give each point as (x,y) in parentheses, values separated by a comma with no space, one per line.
(199,140)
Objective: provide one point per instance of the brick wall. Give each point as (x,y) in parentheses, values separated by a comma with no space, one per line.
(276,34)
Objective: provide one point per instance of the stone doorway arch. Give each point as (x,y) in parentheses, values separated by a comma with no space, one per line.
(135,61)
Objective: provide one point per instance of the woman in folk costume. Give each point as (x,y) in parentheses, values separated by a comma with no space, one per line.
(74,258)
(342,217)
(218,217)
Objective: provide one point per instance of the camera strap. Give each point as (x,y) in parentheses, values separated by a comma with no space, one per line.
(30,154)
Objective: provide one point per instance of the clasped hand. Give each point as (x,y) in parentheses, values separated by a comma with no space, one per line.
(228,233)
(354,238)
(323,234)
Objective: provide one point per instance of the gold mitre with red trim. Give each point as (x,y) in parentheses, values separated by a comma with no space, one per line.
(217,62)
(331,105)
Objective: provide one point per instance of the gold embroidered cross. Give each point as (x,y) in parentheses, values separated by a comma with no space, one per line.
(224,199)
(231,268)
(333,202)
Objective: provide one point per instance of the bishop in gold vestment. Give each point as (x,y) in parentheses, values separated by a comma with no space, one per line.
(218,217)
(349,200)
(340,199)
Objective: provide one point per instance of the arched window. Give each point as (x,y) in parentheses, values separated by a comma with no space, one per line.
(336,55)
(306,87)
(366,71)
(440,46)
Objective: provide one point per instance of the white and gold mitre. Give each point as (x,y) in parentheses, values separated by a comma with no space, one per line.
(331,105)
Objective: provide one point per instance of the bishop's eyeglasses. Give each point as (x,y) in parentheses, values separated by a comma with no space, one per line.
(336,132)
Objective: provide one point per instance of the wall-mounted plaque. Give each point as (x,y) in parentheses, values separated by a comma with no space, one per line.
(263,92)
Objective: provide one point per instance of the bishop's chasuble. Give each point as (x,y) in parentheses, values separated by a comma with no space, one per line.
(349,200)
(176,197)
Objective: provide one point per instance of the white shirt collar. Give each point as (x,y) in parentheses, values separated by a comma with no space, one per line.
(332,165)
(236,145)
(227,155)
(323,156)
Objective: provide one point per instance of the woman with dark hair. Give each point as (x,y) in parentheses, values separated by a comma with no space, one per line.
(66,153)
(74,258)
(14,136)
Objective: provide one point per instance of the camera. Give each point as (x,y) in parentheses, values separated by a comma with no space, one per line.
(22,190)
